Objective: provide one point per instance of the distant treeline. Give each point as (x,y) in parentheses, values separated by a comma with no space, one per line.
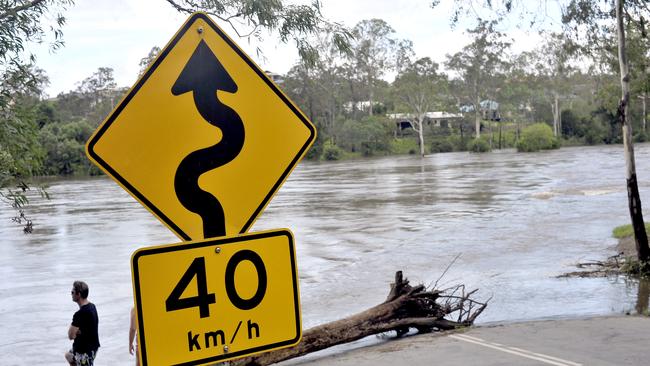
(355,108)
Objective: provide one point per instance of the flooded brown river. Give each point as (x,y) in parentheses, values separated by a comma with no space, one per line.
(517,221)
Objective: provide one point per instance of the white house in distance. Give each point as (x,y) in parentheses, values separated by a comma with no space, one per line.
(437,119)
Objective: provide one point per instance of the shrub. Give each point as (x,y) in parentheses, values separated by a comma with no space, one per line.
(331,152)
(441,145)
(479,145)
(459,144)
(538,136)
(315,151)
(370,136)
(404,146)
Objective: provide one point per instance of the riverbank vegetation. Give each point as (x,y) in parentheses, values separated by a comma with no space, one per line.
(554,95)
(624,262)
(626,247)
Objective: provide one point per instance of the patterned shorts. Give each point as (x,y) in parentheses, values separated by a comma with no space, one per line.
(84,359)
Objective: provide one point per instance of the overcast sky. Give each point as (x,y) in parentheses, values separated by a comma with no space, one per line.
(118,33)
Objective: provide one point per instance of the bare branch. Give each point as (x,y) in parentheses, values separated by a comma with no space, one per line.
(446,269)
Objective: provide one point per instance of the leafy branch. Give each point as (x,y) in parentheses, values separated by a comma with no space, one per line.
(291,22)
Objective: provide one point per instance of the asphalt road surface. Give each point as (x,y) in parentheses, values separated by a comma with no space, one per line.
(621,340)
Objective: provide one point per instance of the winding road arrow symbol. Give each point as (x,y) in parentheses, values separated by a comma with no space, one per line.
(204,75)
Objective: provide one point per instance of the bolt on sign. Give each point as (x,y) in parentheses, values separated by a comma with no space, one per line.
(204,139)
(216,299)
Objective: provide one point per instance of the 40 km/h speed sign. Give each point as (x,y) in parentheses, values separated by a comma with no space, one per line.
(217,299)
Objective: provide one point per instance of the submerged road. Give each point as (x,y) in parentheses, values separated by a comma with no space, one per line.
(620,340)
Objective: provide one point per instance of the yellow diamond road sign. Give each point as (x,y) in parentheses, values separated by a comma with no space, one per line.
(216,299)
(204,138)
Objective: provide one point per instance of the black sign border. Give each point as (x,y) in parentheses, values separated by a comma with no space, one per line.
(134,90)
(207,243)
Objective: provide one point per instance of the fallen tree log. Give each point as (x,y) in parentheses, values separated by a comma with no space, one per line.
(405,307)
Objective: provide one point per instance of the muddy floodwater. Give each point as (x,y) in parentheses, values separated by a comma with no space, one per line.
(517,221)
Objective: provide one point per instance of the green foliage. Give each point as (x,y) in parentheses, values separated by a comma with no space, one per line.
(21,23)
(7,167)
(18,139)
(404,146)
(640,136)
(441,145)
(536,137)
(331,152)
(509,138)
(480,63)
(590,130)
(316,149)
(626,231)
(480,145)
(65,146)
(459,143)
(370,136)
(93,99)
(293,23)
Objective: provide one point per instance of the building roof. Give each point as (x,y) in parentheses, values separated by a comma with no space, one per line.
(430,115)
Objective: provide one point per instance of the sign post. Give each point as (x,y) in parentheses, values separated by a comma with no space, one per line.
(203,140)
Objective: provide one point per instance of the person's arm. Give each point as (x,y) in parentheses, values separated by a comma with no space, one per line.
(74,329)
(132,332)
(72,332)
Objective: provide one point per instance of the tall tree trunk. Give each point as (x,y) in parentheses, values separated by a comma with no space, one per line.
(477,116)
(499,135)
(371,95)
(555,106)
(421,133)
(559,118)
(645,119)
(634,200)
(491,127)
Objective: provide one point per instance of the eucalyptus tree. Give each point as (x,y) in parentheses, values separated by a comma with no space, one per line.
(638,51)
(552,66)
(375,51)
(321,88)
(478,63)
(418,89)
(516,93)
(148,59)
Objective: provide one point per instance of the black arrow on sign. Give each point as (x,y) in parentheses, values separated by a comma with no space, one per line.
(204,75)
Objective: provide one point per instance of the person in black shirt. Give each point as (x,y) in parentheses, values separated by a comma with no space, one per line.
(84,328)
